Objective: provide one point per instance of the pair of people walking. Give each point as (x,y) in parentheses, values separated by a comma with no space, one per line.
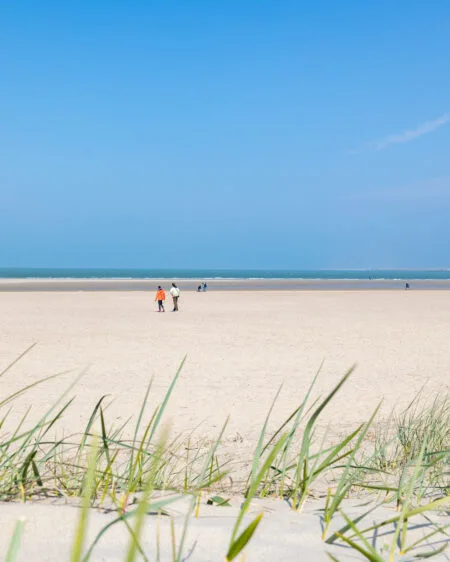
(161,297)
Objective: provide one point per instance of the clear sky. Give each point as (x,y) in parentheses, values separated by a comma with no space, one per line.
(237,133)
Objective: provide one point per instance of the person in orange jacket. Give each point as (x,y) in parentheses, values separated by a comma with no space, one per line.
(160,297)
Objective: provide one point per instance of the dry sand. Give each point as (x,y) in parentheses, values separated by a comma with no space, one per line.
(282,536)
(241,346)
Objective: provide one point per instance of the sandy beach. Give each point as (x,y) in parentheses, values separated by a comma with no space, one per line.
(240,347)
(286,165)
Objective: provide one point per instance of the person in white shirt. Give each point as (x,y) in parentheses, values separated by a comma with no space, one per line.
(175,294)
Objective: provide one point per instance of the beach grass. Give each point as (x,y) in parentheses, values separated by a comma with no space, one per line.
(404,462)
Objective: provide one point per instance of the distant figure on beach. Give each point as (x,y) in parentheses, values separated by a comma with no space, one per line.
(205,286)
(199,288)
(160,297)
(406,286)
(175,293)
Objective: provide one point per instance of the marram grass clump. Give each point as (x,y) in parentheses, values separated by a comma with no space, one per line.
(406,465)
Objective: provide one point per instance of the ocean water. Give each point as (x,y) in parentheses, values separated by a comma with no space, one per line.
(200,274)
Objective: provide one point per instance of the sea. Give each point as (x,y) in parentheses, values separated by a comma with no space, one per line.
(209,274)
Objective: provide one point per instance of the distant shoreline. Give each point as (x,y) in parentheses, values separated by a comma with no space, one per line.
(201,274)
(123,285)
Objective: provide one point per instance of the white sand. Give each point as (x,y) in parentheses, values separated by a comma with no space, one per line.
(241,346)
(283,535)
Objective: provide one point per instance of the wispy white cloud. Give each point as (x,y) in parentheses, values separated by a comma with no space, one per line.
(405,136)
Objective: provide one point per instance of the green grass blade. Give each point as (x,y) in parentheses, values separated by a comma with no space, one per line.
(57,417)
(11,365)
(153,506)
(439,530)
(42,422)
(142,508)
(333,455)
(91,422)
(254,485)
(80,533)
(166,399)
(300,489)
(142,410)
(241,542)
(136,429)
(14,545)
(301,408)
(203,482)
(372,557)
(25,466)
(104,436)
(431,506)
(345,481)
(431,553)
(346,527)
(361,537)
(281,428)
(318,411)
(36,473)
(259,447)
(18,393)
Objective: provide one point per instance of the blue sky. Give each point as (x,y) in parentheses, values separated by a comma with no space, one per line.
(253,134)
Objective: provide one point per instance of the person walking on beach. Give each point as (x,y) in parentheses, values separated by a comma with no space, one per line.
(160,297)
(175,294)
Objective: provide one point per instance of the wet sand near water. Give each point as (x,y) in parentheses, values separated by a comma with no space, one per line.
(90,285)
